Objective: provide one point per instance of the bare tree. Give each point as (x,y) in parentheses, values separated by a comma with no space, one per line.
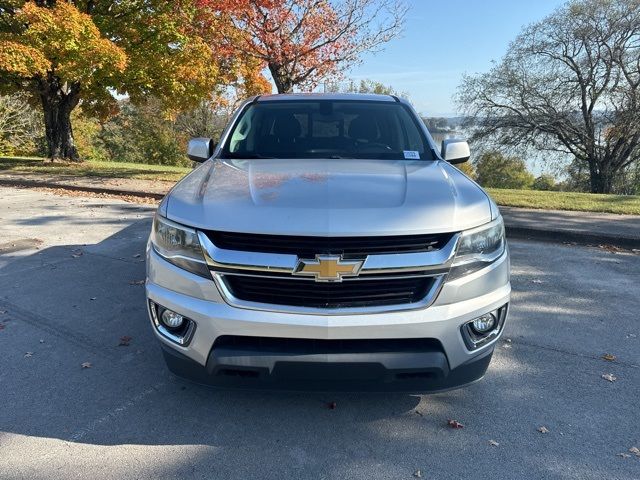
(570,84)
(19,124)
(302,42)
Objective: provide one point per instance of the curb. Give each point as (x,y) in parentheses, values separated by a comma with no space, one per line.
(567,236)
(80,188)
(519,232)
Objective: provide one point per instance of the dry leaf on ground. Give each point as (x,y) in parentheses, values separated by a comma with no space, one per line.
(623,455)
(609,357)
(136,282)
(635,451)
(454,424)
(137,255)
(609,377)
(543,429)
(417,474)
(28,354)
(86,365)
(493,443)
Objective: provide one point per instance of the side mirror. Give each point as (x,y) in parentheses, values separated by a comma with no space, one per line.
(455,150)
(200,149)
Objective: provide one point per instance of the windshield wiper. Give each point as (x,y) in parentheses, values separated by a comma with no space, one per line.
(246,156)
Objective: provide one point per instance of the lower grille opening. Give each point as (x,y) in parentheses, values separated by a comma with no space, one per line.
(310,346)
(347,294)
(415,375)
(235,372)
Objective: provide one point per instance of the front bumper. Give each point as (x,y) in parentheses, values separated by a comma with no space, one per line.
(447,363)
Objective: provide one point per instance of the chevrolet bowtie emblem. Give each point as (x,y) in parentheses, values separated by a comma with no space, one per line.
(328,268)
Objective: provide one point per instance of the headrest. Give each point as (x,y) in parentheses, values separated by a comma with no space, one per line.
(363,128)
(286,126)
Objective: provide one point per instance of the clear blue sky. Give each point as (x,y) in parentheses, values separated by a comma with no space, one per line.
(442,40)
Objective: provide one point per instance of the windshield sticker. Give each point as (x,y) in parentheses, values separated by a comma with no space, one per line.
(411,154)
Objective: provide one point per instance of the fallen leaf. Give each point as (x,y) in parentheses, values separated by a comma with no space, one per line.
(610,377)
(610,248)
(124,341)
(136,282)
(86,365)
(93,298)
(417,474)
(632,335)
(543,429)
(493,443)
(137,255)
(508,340)
(608,357)
(41,340)
(454,424)
(28,354)
(77,253)
(635,451)
(2,312)
(332,405)
(536,281)
(624,455)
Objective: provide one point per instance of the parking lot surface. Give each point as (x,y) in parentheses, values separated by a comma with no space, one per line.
(84,392)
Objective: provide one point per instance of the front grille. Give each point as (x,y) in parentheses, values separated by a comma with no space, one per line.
(351,293)
(308,247)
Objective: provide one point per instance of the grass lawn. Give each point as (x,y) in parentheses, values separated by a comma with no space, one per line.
(585,202)
(93,169)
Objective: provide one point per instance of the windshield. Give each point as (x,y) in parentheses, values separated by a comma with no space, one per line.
(327,129)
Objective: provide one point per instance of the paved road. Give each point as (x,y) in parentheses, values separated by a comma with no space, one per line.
(70,300)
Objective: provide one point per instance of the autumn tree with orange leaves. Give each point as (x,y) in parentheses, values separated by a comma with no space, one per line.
(66,53)
(303,42)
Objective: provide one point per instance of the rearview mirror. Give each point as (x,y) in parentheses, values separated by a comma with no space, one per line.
(455,150)
(200,149)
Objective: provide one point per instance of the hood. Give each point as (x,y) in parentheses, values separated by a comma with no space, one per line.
(319,197)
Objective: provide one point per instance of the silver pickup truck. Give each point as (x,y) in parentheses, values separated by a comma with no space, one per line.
(326,243)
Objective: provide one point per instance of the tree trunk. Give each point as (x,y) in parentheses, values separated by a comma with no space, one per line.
(58,101)
(601,180)
(281,78)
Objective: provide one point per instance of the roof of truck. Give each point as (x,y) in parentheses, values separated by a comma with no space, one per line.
(326,96)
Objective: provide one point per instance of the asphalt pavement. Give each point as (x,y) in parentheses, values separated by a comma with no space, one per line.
(84,392)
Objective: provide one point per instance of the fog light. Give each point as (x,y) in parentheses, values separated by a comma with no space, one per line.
(484,329)
(172,325)
(485,323)
(172,319)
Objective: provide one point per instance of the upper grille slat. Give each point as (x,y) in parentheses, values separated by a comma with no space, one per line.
(308,247)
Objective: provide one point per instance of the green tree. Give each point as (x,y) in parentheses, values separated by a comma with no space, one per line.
(544,182)
(493,169)
(63,53)
(142,134)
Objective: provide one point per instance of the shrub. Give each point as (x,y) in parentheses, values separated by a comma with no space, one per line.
(495,170)
(544,182)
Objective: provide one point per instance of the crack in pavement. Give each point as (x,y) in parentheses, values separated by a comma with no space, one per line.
(59,331)
(567,352)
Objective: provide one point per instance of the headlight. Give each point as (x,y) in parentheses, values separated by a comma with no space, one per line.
(179,245)
(478,248)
